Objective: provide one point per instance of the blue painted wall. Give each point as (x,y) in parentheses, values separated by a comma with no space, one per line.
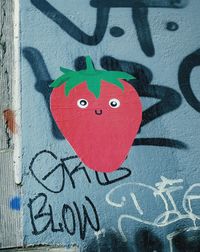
(156,192)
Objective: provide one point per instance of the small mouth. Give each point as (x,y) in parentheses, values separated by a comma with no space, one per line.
(98,111)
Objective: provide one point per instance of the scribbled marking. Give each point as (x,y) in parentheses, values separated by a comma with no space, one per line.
(41,211)
(61,168)
(172,26)
(162,195)
(116,31)
(184,77)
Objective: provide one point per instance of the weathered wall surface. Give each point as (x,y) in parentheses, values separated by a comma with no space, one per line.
(10,215)
(157,190)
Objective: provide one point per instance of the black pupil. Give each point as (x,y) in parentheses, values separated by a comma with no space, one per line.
(113,103)
(83,102)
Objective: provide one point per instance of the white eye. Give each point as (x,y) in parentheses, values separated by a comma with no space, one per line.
(82,103)
(114,103)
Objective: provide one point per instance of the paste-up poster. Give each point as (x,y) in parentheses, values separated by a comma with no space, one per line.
(109,120)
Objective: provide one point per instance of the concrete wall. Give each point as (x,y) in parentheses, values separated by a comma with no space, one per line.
(10,214)
(156,192)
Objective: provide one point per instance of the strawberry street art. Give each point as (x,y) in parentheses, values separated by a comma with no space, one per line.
(99,114)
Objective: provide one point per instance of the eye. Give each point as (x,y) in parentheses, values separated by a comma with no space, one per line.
(82,103)
(114,103)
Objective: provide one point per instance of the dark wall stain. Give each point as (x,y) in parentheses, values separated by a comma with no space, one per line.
(187,241)
(147,241)
(109,241)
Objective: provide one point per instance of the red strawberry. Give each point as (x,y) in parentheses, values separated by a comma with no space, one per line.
(98,113)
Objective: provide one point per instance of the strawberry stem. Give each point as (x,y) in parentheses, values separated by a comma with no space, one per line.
(89,65)
(92,77)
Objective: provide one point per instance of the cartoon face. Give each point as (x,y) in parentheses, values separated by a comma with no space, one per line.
(97,128)
(99,122)
(83,103)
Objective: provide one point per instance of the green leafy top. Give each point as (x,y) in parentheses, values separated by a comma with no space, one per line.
(92,77)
